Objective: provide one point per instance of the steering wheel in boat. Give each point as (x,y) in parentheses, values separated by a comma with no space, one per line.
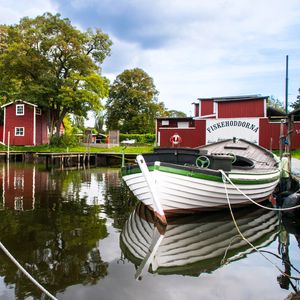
(202,162)
(233,156)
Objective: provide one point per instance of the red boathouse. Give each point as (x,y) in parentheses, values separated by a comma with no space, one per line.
(215,119)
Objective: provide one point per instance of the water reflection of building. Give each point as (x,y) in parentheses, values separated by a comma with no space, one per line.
(20,183)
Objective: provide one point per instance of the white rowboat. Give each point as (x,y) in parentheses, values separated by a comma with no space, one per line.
(181,180)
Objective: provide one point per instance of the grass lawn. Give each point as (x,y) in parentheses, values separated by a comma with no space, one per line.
(55,149)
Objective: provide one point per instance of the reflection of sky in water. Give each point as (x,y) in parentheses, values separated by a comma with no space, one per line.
(92,190)
(239,280)
(251,277)
(5,292)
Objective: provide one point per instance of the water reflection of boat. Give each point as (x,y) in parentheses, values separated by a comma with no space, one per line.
(194,244)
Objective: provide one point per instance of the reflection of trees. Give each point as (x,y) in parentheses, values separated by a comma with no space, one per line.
(119,200)
(56,243)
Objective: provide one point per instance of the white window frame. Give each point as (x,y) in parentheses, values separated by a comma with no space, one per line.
(38,111)
(165,123)
(19,106)
(23,129)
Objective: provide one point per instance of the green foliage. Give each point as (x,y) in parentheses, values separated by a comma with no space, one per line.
(132,105)
(47,61)
(99,122)
(175,114)
(296,104)
(78,124)
(65,140)
(68,125)
(148,138)
(275,103)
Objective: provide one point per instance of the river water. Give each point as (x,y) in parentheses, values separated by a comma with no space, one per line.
(82,235)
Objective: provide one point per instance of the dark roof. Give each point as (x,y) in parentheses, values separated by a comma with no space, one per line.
(274,112)
(296,114)
(235,98)
(174,118)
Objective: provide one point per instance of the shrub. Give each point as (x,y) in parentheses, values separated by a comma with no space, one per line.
(65,140)
(148,138)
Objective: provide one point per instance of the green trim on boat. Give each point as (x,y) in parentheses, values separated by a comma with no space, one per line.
(199,175)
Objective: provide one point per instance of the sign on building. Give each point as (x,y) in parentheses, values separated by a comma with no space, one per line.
(221,129)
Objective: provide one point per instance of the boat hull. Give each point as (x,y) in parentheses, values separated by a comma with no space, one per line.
(180,192)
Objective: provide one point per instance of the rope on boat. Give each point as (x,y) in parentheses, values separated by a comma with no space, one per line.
(258,204)
(25,272)
(224,177)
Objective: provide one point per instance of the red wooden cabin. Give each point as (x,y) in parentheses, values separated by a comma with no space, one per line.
(24,124)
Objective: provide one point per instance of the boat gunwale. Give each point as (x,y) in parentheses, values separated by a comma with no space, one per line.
(202,173)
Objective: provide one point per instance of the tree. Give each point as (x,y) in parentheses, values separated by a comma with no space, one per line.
(99,122)
(78,123)
(175,114)
(132,104)
(275,103)
(49,62)
(296,104)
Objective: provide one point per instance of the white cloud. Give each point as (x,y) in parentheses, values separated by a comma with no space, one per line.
(12,11)
(191,48)
(214,48)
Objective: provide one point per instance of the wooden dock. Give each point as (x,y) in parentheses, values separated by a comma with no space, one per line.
(81,159)
(69,159)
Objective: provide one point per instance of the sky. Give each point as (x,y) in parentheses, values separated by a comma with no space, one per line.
(191,48)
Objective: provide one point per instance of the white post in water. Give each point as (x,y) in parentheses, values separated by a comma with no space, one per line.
(8,141)
(151,185)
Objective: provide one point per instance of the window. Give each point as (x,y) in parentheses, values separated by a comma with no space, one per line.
(38,111)
(18,203)
(183,125)
(19,181)
(20,109)
(165,123)
(19,131)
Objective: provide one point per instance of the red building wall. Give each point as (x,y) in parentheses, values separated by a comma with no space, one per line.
(207,107)
(269,134)
(241,109)
(26,121)
(42,129)
(296,136)
(191,137)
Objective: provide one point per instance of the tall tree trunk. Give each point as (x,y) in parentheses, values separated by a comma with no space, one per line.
(60,121)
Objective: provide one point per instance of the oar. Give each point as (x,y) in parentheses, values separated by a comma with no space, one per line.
(156,240)
(151,185)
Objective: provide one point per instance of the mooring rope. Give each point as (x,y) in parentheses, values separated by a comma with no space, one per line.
(224,177)
(256,203)
(25,272)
